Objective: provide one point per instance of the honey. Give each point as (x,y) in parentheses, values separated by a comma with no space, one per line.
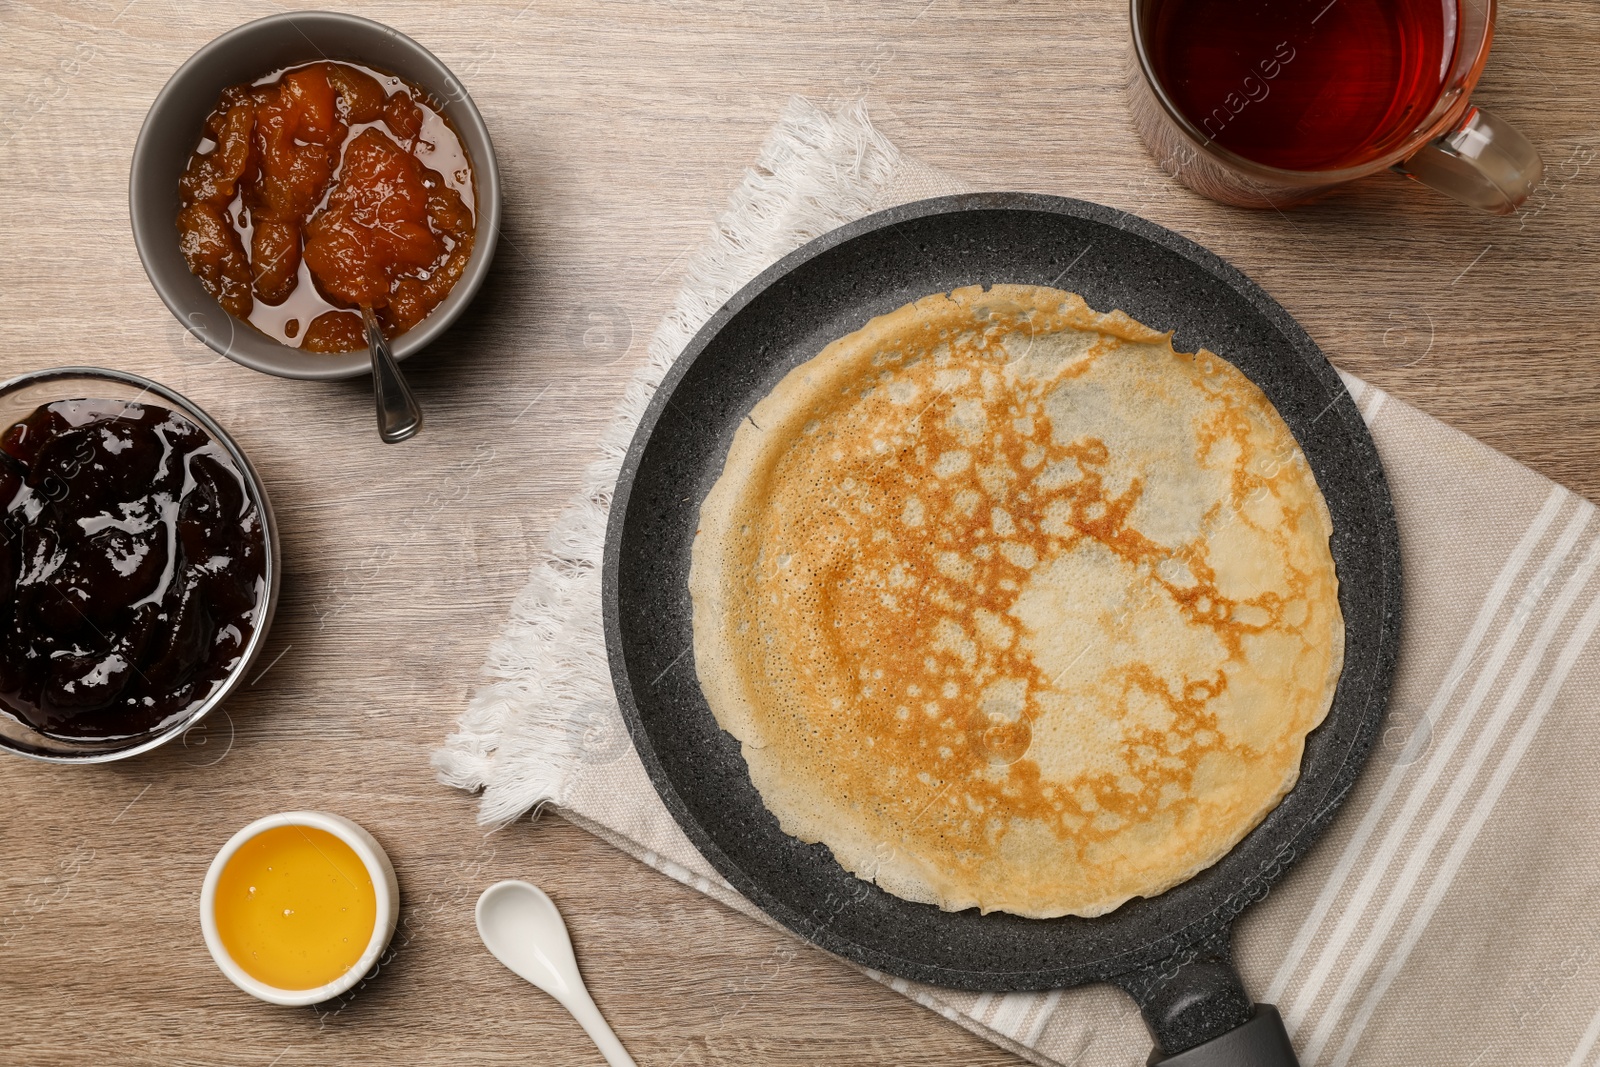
(295,907)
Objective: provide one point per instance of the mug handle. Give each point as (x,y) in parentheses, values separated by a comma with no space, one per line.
(1483,162)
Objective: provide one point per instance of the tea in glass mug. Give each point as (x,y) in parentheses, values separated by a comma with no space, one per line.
(1264,103)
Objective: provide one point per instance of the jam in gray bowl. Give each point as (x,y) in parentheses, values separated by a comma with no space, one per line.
(173,131)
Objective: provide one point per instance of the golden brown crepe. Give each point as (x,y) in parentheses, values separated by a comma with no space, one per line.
(1014,607)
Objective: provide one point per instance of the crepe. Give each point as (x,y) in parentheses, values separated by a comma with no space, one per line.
(1014,607)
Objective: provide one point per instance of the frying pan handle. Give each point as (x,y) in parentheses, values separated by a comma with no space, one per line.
(1261,1042)
(1200,1015)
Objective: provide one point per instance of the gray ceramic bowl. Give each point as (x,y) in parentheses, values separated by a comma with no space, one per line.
(173,129)
(19,397)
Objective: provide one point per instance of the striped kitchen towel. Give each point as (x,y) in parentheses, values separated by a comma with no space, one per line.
(1452,913)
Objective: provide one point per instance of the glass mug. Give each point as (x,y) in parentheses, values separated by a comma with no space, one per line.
(1199,67)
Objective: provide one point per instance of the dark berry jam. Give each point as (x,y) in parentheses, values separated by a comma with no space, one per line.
(132,562)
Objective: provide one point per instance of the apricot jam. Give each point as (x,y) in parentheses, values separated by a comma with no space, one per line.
(132,561)
(321,189)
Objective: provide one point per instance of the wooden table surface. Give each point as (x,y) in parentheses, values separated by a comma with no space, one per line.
(621,129)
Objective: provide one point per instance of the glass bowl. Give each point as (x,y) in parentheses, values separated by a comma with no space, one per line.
(18,398)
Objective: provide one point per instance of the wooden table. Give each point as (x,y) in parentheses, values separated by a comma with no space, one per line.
(621,128)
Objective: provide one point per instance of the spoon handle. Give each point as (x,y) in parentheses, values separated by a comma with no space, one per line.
(399,414)
(583,1009)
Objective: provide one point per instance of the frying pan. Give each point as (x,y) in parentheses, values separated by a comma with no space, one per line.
(1170,952)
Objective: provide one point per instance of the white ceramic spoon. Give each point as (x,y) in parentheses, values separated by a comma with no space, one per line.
(524,931)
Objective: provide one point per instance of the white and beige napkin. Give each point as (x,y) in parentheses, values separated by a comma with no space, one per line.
(1452,913)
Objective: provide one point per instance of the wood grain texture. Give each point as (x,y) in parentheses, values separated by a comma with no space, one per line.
(621,128)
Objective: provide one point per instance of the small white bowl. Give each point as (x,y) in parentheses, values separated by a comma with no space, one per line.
(384,886)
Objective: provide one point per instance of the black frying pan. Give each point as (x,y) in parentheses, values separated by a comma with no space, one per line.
(1170,952)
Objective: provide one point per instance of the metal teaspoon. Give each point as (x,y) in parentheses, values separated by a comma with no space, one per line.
(399,414)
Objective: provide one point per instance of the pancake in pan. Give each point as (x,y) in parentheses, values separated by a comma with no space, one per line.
(1014,607)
